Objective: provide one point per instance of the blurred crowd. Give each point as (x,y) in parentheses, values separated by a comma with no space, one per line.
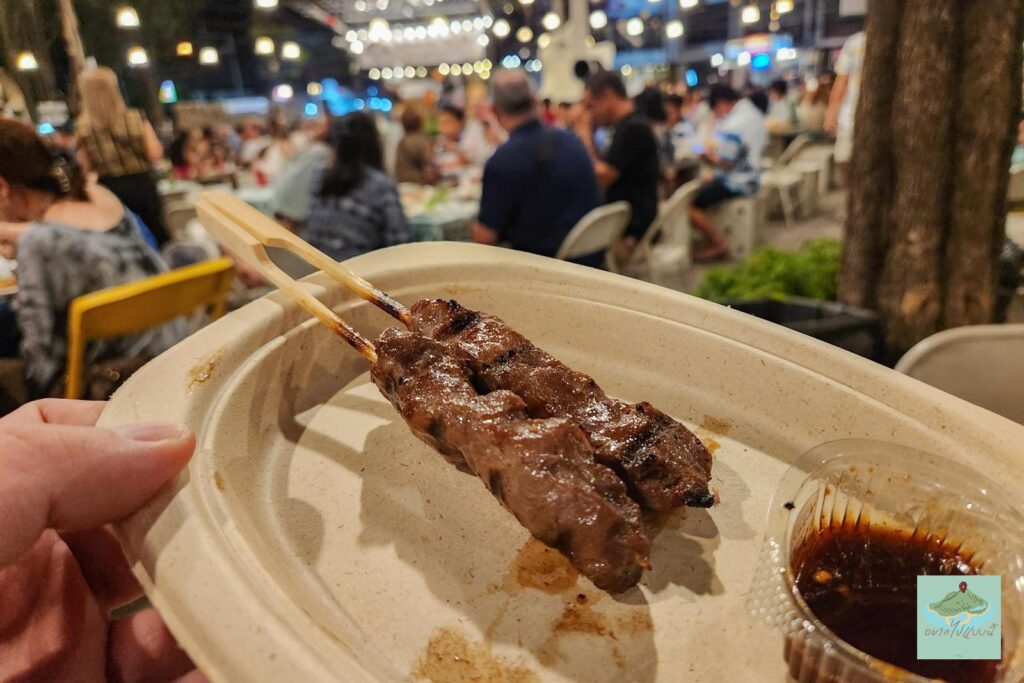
(80,209)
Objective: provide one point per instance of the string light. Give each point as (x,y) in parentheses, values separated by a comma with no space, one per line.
(282,92)
(784,6)
(524,34)
(543,41)
(374,73)
(127,17)
(502,28)
(635,26)
(551,21)
(290,50)
(137,56)
(314,89)
(751,14)
(265,4)
(687,4)
(183,49)
(717,60)
(674,29)
(208,56)
(598,20)
(264,46)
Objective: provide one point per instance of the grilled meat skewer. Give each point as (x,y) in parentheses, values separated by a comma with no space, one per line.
(662,462)
(542,470)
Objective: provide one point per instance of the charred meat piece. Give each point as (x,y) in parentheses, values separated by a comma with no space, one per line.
(542,470)
(662,462)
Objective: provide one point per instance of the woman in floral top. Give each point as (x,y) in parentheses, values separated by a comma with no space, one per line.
(80,239)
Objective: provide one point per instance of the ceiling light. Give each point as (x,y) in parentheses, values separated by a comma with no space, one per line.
(482,40)
(635,26)
(598,20)
(784,6)
(127,17)
(356,47)
(137,56)
(544,40)
(674,29)
(374,73)
(208,56)
(502,28)
(687,4)
(290,50)
(264,45)
(551,21)
(717,59)
(524,34)
(751,14)
(743,58)
(265,4)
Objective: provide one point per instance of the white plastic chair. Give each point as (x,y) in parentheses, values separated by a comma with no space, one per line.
(596,231)
(740,221)
(670,255)
(983,364)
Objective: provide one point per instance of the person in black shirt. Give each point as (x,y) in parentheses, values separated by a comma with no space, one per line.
(630,169)
(539,183)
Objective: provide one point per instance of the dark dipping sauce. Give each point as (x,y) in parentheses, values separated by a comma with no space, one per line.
(862,584)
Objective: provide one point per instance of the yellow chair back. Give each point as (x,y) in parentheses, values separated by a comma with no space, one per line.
(140,305)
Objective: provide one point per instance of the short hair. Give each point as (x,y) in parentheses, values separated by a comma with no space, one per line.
(512,92)
(780,86)
(458,113)
(604,81)
(722,93)
(674,100)
(411,121)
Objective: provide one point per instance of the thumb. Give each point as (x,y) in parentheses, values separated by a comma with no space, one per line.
(77,477)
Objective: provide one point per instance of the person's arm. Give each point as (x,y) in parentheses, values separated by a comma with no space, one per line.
(484,235)
(835,101)
(154,150)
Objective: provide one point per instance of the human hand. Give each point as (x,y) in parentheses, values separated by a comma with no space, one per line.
(62,571)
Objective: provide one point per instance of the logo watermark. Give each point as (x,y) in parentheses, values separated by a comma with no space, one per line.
(959,617)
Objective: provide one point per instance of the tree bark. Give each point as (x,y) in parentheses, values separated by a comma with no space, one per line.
(934,129)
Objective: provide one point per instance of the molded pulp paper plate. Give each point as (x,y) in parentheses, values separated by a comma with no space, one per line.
(313,537)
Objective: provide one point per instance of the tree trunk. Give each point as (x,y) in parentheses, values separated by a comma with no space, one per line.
(934,129)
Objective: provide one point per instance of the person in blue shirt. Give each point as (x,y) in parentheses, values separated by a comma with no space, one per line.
(735,156)
(539,183)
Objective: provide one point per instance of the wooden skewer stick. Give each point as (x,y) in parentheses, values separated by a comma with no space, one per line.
(271,234)
(247,246)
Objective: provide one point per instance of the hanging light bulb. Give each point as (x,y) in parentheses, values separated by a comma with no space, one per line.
(784,6)
(524,34)
(290,50)
(183,49)
(551,21)
(751,14)
(502,28)
(674,29)
(635,26)
(26,61)
(264,45)
(598,20)
(208,56)
(137,56)
(127,17)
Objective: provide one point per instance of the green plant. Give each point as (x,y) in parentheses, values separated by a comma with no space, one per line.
(811,271)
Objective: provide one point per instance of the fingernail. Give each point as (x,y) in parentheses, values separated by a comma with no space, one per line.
(152,431)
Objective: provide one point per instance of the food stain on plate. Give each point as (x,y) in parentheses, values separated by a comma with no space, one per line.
(452,658)
(542,568)
(203,371)
(218,480)
(716,425)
